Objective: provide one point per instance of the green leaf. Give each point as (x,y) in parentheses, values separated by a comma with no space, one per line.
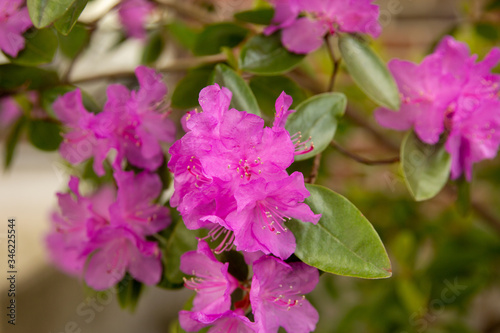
(463,203)
(243,97)
(266,56)
(261,16)
(181,241)
(369,72)
(153,48)
(128,292)
(343,242)
(426,168)
(44,135)
(184,34)
(12,140)
(268,88)
(14,76)
(188,89)
(487,30)
(216,36)
(317,117)
(68,20)
(75,41)
(44,12)
(40,48)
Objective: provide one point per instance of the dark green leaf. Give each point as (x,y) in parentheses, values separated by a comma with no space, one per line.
(317,117)
(12,140)
(343,242)
(487,30)
(268,88)
(185,35)
(75,41)
(44,12)
(369,72)
(66,22)
(463,203)
(216,36)
(188,89)
(493,5)
(153,48)
(128,292)
(426,168)
(237,265)
(243,97)
(266,56)
(40,47)
(14,76)
(44,135)
(257,16)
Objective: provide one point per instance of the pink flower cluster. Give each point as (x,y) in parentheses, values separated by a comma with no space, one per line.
(131,123)
(450,94)
(133,15)
(304,33)
(14,21)
(102,236)
(230,176)
(276,294)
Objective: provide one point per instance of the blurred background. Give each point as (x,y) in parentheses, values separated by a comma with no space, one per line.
(445,256)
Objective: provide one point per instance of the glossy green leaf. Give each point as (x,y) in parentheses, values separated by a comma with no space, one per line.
(128,292)
(68,20)
(153,48)
(426,168)
(182,33)
(317,117)
(44,12)
(343,242)
(218,35)
(369,72)
(266,56)
(188,89)
(268,88)
(243,97)
(257,16)
(75,41)
(12,140)
(40,48)
(14,76)
(44,135)
(180,241)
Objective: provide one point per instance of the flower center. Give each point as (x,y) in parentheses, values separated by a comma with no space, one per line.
(245,168)
(272,217)
(194,167)
(301,147)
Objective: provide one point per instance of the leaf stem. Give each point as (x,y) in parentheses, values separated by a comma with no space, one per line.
(335,63)
(315,169)
(363,160)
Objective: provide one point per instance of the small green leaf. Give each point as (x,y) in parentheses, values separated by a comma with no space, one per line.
(128,292)
(14,76)
(268,88)
(12,140)
(343,242)
(369,72)
(44,12)
(487,30)
(40,48)
(216,36)
(243,97)
(266,56)
(317,117)
(153,48)
(188,89)
(44,135)
(68,20)
(426,168)
(184,34)
(75,41)
(261,16)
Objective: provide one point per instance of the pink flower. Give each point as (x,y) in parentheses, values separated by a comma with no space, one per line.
(449,92)
(212,282)
(227,322)
(14,21)
(133,15)
(263,209)
(278,295)
(305,34)
(10,112)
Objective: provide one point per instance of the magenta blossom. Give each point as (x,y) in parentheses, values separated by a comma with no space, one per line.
(10,111)
(133,15)
(278,295)
(14,21)
(227,322)
(450,93)
(211,280)
(304,34)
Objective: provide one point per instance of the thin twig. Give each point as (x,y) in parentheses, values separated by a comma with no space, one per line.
(363,160)
(335,63)
(189,10)
(315,169)
(486,215)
